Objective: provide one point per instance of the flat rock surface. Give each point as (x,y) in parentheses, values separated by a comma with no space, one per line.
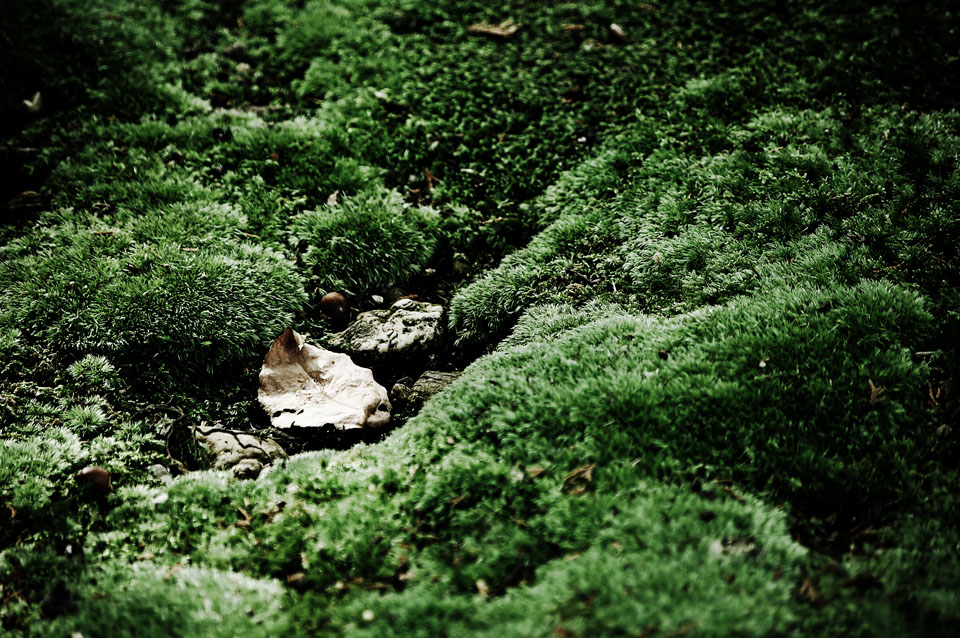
(246,454)
(407,327)
(432,382)
(304,386)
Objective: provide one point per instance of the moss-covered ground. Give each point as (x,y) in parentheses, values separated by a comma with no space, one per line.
(701,262)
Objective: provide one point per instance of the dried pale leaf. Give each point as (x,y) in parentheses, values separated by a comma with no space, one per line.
(304,386)
(533,471)
(295,578)
(482,588)
(809,592)
(503,30)
(458,499)
(582,473)
(35,104)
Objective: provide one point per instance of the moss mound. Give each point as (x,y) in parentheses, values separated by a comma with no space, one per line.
(701,269)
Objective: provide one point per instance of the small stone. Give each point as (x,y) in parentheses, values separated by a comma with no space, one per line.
(461,267)
(367,615)
(400,392)
(377,299)
(235,49)
(248,469)
(161,473)
(408,327)
(433,382)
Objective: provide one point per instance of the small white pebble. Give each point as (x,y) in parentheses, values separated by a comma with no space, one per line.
(367,615)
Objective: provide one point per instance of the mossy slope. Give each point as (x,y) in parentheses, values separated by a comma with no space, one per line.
(717,395)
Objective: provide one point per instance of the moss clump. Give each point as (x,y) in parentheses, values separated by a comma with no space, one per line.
(779,198)
(193,309)
(369,242)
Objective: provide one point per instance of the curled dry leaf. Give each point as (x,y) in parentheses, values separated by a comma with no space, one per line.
(809,592)
(503,30)
(304,386)
(583,473)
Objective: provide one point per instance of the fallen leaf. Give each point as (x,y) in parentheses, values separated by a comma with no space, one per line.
(617,30)
(679,631)
(876,393)
(582,473)
(304,386)
(809,593)
(733,495)
(295,578)
(456,500)
(173,570)
(503,30)
(533,471)
(572,27)
(482,588)
(34,105)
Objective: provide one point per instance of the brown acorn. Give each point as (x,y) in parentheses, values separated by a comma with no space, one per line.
(96,477)
(334,305)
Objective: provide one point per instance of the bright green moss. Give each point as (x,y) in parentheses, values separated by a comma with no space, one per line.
(369,242)
(187,307)
(192,601)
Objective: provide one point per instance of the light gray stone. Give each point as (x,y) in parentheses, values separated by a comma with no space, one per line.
(245,454)
(407,327)
(432,382)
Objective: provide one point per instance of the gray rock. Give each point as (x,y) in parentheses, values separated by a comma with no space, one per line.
(432,382)
(245,454)
(407,327)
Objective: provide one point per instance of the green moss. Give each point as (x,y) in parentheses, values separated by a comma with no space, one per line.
(725,322)
(103,294)
(369,242)
(193,601)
